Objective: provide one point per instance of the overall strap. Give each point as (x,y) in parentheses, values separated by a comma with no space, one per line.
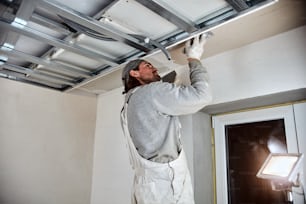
(133,154)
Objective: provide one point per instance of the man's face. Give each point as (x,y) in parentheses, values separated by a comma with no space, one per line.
(147,73)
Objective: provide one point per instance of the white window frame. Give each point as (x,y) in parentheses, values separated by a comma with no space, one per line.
(219,123)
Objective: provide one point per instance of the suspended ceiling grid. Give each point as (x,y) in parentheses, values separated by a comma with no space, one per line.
(66,45)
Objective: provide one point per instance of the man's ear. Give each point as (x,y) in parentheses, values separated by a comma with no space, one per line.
(134,73)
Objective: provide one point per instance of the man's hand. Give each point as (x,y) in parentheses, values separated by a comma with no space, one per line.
(196,49)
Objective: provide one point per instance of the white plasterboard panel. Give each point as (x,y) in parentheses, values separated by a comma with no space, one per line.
(121,19)
(76,60)
(139,19)
(87,7)
(43,29)
(26,45)
(194,9)
(109,48)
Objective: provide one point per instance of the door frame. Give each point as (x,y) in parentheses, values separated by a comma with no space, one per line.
(220,121)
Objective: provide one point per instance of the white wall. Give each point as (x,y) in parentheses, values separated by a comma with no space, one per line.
(46,145)
(112,174)
(202,159)
(269,66)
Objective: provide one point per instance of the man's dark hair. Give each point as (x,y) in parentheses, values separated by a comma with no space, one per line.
(128,81)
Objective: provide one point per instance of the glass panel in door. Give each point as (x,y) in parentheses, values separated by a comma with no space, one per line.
(247,146)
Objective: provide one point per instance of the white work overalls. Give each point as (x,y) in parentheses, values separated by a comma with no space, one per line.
(158,183)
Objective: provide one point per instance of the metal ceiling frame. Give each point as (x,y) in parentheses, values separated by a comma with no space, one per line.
(238,5)
(92,24)
(27,71)
(45,71)
(51,65)
(171,16)
(26,31)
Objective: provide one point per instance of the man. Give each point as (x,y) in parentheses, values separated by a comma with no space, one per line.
(151,125)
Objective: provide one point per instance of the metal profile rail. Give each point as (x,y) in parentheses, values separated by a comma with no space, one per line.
(41,20)
(26,31)
(24,12)
(177,20)
(35,73)
(49,65)
(92,24)
(21,77)
(238,5)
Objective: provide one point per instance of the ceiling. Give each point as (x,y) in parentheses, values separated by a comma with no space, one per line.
(81,47)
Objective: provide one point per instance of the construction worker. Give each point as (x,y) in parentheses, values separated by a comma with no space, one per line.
(152,129)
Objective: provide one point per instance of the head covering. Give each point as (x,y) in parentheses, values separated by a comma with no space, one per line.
(128,67)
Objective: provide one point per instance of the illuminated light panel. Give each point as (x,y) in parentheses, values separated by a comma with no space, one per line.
(280,166)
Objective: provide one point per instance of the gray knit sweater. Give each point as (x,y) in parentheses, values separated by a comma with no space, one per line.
(153,112)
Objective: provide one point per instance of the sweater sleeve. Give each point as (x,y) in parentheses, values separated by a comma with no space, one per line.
(174,99)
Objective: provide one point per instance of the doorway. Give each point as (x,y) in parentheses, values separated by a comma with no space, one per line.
(247,147)
(242,142)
